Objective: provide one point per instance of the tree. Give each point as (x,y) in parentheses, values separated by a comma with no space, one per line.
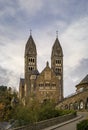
(5,101)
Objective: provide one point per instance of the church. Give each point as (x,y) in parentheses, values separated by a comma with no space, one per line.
(47,85)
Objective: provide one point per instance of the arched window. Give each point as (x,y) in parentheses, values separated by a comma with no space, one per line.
(59,61)
(59,70)
(56,69)
(33,60)
(29,60)
(56,61)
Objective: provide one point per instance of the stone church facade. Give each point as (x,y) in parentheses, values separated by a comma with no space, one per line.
(47,85)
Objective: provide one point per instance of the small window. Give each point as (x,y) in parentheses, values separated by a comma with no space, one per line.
(47,84)
(59,70)
(29,59)
(58,61)
(53,84)
(56,69)
(41,85)
(33,60)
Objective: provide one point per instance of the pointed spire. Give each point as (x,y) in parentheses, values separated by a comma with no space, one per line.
(30,47)
(56,48)
(47,64)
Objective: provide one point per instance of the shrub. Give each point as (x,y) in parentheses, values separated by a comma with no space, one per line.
(83,125)
(64,112)
(23,115)
(46,113)
(35,112)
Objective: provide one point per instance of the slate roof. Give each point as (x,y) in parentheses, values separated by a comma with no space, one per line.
(35,72)
(22,81)
(30,46)
(57,48)
(85,80)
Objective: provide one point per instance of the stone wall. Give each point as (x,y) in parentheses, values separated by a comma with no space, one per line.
(44,124)
(78,101)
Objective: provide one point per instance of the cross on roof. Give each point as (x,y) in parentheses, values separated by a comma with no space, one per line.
(30,32)
(56,34)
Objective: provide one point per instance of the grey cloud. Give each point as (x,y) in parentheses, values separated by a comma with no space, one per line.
(74,76)
(9,78)
(69,86)
(81,70)
(29,6)
(4,76)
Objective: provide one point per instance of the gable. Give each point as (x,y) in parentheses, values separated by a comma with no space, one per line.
(47,74)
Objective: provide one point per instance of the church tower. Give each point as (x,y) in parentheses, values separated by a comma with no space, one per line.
(57,64)
(46,85)
(30,63)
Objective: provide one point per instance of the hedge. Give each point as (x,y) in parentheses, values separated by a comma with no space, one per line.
(83,125)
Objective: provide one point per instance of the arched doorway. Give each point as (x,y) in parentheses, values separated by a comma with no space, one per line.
(86,105)
(76,105)
(61,107)
(81,105)
(66,106)
(70,106)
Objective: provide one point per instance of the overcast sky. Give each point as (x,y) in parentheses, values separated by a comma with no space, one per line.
(44,17)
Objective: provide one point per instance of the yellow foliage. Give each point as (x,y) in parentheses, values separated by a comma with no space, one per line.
(1,106)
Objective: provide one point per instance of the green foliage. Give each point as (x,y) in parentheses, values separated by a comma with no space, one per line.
(36,112)
(48,111)
(23,115)
(83,125)
(31,113)
(64,112)
(3,88)
(6,111)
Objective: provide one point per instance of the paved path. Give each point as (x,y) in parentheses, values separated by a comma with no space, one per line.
(69,125)
(3,125)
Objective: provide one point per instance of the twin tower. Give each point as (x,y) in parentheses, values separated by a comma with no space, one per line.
(47,85)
